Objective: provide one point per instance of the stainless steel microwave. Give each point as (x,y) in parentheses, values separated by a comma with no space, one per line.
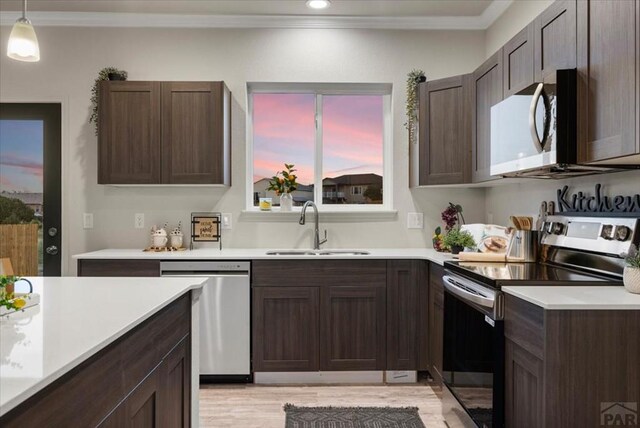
(533,132)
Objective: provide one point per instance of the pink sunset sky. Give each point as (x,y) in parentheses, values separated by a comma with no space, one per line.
(284,131)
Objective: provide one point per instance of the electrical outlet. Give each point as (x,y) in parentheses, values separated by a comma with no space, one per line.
(87,220)
(139,221)
(227,220)
(415,221)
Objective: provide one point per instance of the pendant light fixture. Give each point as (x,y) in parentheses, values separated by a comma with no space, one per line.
(23,43)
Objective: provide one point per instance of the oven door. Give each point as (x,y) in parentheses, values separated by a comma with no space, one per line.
(473,361)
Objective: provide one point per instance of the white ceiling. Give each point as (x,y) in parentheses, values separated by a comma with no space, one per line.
(386,8)
(377,14)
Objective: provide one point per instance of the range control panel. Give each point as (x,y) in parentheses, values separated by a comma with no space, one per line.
(596,234)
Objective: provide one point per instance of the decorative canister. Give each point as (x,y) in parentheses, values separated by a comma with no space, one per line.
(175,240)
(631,279)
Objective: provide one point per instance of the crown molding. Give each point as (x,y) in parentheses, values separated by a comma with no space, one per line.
(121,20)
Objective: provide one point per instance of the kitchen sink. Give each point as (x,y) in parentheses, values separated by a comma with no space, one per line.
(317,253)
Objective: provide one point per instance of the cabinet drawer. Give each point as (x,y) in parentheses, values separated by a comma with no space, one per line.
(318,273)
(119,268)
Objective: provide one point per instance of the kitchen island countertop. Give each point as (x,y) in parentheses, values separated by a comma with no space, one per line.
(76,318)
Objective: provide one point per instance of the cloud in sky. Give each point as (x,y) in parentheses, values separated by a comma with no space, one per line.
(284,131)
(21,155)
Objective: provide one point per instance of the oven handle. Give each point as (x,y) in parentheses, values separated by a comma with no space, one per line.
(453,286)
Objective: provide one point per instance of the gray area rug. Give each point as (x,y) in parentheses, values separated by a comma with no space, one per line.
(352,417)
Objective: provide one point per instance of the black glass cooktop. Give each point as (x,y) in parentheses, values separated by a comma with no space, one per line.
(499,274)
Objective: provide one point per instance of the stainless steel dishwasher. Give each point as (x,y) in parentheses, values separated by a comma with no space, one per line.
(225,314)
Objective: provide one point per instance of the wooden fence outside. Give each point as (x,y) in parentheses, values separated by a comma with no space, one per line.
(19,243)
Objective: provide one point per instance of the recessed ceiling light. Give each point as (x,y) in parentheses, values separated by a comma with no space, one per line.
(318,4)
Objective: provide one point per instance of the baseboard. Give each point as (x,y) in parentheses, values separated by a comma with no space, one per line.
(282,378)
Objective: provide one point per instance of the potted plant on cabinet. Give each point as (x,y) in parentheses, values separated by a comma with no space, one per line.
(283,183)
(631,276)
(108,73)
(456,240)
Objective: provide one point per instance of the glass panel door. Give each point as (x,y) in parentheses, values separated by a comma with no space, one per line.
(30,188)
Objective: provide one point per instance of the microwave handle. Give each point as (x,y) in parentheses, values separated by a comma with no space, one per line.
(533,128)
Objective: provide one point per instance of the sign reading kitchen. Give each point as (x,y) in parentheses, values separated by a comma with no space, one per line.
(582,202)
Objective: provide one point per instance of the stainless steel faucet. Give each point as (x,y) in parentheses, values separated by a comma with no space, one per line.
(316,240)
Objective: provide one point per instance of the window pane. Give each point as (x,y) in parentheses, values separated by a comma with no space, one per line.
(283,132)
(352,138)
(21,190)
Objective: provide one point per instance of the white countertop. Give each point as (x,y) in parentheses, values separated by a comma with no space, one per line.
(260,253)
(76,318)
(577,298)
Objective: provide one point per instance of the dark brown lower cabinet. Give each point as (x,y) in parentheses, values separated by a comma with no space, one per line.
(117,267)
(565,367)
(285,328)
(352,332)
(162,399)
(141,380)
(407,301)
(523,387)
(436,321)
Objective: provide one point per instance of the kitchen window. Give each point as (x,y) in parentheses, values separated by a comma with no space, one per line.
(336,135)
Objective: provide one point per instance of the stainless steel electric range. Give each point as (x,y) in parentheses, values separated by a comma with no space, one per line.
(574,251)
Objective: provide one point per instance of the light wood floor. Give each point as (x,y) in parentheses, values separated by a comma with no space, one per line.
(255,406)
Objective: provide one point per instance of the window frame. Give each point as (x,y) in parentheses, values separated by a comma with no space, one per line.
(320,90)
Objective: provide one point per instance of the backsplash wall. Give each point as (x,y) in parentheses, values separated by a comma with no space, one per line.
(72,57)
(525,198)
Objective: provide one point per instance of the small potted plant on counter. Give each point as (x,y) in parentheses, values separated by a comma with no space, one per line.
(456,240)
(631,276)
(283,186)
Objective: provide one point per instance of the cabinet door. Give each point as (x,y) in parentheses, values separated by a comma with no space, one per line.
(555,38)
(487,91)
(142,407)
(523,387)
(285,328)
(436,321)
(518,61)
(195,133)
(403,310)
(175,381)
(608,68)
(129,133)
(353,330)
(445,131)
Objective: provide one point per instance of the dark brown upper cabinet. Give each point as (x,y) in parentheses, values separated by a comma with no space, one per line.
(608,83)
(445,131)
(555,38)
(518,61)
(129,142)
(164,133)
(487,90)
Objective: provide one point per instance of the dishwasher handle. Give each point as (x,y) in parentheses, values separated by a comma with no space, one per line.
(186,274)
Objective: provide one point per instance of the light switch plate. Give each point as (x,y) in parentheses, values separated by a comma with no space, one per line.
(139,221)
(415,220)
(87,220)
(227,220)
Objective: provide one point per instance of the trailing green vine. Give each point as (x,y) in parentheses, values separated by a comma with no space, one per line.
(102,75)
(413,79)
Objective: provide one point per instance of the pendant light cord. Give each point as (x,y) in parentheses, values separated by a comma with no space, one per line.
(24,9)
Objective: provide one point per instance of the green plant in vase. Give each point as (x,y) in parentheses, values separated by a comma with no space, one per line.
(283,183)
(631,275)
(456,240)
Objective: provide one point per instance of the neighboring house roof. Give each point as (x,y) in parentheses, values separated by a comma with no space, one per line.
(26,198)
(354,179)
